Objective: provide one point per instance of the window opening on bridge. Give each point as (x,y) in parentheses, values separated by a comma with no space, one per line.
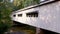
(14,15)
(32,14)
(19,15)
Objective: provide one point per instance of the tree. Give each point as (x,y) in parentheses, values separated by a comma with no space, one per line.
(19,4)
(5,20)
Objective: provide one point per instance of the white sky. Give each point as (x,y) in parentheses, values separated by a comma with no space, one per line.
(11,0)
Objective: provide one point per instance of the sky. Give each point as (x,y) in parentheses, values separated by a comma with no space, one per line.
(11,0)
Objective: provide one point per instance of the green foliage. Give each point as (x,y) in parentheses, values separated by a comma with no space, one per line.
(5,20)
(0,0)
(30,2)
(24,3)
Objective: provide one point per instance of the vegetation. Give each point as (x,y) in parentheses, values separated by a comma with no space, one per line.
(5,20)
(19,4)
